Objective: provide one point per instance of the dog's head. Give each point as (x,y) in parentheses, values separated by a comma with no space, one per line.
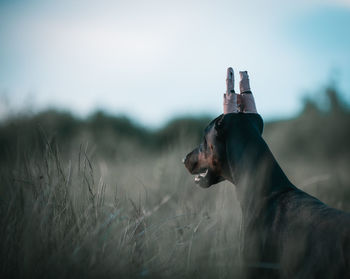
(206,161)
(209,161)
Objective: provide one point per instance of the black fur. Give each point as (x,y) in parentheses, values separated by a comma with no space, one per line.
(287,233)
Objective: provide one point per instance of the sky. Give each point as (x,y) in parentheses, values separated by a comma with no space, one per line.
(154,60)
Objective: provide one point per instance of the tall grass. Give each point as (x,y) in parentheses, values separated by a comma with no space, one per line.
(103,198)
(75,217)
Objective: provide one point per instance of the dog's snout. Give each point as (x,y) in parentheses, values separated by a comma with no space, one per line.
(191,160)
(187,161)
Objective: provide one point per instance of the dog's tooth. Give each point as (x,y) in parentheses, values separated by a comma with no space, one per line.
(204,174)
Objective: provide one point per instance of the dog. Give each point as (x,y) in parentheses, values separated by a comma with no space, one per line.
(287,232)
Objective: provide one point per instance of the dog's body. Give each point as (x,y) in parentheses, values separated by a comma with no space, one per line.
(287,233)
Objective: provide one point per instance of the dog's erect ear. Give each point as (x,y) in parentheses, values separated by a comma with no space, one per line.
(247,102)
(218,122)
(230,97)
(219,126)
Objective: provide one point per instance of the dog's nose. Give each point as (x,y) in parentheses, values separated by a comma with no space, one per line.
(191,160)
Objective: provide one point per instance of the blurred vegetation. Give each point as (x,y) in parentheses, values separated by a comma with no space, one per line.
(109,134)
(104,197)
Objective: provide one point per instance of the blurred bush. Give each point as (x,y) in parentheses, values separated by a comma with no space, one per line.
(319,131)
(110,135)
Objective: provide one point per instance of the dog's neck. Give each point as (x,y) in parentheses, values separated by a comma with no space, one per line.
(259,182)
(254,170)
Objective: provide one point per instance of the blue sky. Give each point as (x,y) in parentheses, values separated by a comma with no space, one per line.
(153,60)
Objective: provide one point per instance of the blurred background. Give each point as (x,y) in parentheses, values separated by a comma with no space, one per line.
(100,101)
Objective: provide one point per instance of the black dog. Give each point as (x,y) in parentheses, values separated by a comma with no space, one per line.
(287,233)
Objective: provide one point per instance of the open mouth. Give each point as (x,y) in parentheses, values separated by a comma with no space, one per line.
(206,177)
(202,175)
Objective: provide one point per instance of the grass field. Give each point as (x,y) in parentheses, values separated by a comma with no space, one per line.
(107,202)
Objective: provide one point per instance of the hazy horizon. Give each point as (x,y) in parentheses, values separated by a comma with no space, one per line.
(155,60)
